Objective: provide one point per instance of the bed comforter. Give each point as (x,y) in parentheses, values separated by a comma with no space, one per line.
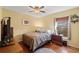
(35,40)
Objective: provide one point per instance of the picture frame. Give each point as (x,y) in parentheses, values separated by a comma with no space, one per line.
(25,22)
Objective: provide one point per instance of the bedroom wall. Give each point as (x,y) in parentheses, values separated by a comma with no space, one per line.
(17,22)
(74,27)
(0,20)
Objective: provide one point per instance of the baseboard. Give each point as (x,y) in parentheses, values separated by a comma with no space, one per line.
(19,40)
(73,46)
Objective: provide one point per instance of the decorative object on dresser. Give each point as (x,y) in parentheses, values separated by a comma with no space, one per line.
(6,32)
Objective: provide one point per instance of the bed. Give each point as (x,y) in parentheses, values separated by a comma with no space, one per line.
(35,39)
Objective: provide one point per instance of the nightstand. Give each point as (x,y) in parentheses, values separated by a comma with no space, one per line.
(64,41)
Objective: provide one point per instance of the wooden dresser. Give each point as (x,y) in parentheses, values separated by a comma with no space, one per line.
(57,39)
(14,48)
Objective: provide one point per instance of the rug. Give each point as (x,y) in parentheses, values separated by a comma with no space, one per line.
(44,50)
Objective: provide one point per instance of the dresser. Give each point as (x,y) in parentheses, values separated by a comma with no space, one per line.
(59,40)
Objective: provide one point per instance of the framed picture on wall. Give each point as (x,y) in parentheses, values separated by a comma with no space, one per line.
(25,22)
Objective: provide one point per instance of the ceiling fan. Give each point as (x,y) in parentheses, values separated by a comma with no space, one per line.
(37,9)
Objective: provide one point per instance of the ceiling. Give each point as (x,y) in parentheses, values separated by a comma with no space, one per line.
(48,9)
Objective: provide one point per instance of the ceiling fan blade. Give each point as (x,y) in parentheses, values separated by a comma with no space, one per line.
(30,6)
(41,7)
(42,11)
(30,11)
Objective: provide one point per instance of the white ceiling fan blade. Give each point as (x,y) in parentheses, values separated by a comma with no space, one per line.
(30,6)
(30,11)
(41,7)
(42,11)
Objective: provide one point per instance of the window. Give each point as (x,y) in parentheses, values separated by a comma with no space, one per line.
(62,26)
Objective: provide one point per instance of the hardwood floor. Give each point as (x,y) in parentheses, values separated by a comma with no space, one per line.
(54,47)
(62,49)
(25,48)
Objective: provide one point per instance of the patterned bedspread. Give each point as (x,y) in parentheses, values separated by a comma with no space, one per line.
(35,39)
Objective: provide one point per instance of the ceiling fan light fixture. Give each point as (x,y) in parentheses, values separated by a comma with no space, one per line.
(36,11)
